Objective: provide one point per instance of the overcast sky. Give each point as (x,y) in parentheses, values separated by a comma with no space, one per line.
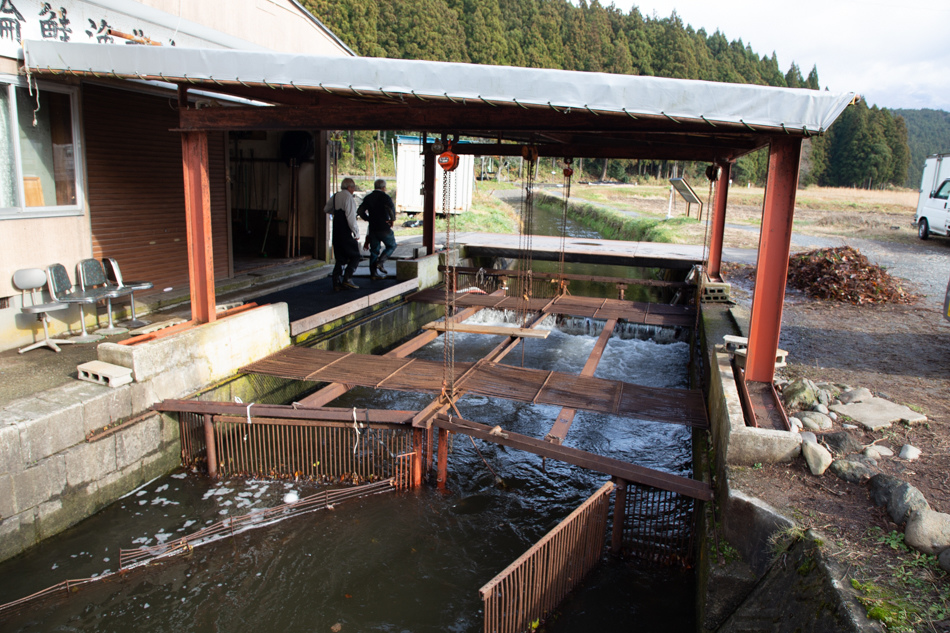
(895,53)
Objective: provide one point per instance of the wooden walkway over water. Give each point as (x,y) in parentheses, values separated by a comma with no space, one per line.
(614,397)
(591,307)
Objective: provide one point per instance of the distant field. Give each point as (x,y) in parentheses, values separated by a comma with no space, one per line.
(873,214)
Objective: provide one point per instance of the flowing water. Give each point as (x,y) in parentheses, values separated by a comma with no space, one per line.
(398,561)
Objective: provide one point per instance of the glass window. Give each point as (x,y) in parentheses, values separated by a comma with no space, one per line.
(944,191)
(39,175)
(8,189)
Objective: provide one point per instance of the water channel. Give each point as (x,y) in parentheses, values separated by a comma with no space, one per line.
(398,561)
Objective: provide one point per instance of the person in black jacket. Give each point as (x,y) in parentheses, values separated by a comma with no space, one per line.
(378,209)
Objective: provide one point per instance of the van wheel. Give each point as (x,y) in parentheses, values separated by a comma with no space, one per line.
(923,229)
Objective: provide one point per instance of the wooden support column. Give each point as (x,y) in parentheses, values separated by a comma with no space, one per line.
(772,268)
(321,188)
(443,465)
(418,445)
(719,221)
(194,153)
(428,199)
(620,511)
(212,449)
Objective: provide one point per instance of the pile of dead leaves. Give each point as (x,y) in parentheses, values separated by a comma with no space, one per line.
(844,274)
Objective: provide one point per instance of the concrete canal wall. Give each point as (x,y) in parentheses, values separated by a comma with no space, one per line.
(67,452)
(757,570)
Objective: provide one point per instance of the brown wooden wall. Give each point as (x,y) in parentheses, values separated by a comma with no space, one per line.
(135,187)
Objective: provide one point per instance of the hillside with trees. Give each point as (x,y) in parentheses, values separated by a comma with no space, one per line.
(928,132)
(867,147)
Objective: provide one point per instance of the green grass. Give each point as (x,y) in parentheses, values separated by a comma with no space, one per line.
(616,226)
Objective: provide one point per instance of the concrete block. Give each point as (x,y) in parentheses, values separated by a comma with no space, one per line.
(10,460)
(101,373)
(426,269)
(90,461)
(171,430)
(748,523)
(749,446)
(120,482)
(50,432)
(209,348)
(106,407)
(39,484)
(17,533)
(7,497)
(135,442)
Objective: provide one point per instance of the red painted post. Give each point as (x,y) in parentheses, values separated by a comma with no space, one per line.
(443,472)
(418,445)
(194,153)
(428,199)
(775,240)
(719,221)
(212,449)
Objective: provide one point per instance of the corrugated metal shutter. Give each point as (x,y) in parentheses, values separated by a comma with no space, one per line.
(135,187)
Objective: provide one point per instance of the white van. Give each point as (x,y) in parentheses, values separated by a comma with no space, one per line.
(933,214)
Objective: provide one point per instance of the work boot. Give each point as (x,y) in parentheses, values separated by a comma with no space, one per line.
(348,283)
(383,271)
(375,274)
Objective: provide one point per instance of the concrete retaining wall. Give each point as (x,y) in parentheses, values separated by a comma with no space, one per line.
(743,584)
(67,452)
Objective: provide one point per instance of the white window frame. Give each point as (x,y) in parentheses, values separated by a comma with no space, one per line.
(10,83)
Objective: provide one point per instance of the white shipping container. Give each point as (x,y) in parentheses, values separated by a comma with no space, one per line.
(410,176)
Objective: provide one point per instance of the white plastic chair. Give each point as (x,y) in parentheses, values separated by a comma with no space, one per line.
(32,281)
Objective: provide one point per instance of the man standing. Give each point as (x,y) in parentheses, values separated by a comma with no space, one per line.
(378,209)
(346,234)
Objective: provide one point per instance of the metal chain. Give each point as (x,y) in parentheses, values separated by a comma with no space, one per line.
(567,198)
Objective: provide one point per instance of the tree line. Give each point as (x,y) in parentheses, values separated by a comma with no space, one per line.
(867,147)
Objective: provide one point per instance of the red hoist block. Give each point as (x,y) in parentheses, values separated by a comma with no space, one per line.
(448,160)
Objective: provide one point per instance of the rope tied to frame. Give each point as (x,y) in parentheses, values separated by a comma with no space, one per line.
(357,429)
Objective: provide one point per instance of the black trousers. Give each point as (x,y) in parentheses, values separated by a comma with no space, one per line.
(347,253)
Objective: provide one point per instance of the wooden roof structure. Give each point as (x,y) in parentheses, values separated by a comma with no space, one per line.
(562,113)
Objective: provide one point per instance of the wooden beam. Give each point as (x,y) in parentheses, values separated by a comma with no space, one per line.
(562,424)
(498,272)
(765,324)
(428,200)
(321,181)
(608,465)
(194,151)
(478,328)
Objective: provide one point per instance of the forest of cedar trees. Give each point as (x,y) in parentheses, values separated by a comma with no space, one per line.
(867,147)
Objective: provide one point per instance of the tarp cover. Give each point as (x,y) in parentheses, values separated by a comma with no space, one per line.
(793,108)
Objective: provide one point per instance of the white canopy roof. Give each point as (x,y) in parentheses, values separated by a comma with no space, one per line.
(802,110)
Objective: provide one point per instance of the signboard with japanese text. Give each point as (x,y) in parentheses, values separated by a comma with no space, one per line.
(72,21)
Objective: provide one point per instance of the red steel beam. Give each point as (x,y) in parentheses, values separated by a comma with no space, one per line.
(194,154)
(719,222)
(772,268)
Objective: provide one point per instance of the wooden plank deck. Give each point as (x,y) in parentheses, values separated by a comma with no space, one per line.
(676,406)
(585,250)
(630,311)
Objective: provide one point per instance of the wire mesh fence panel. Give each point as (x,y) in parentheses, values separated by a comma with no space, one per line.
(534,584)
(193,448)
(308,450)
(659,526)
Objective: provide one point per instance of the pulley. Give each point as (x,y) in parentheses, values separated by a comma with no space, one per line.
(713,172)
(568,170)
(448,160)
(529,152)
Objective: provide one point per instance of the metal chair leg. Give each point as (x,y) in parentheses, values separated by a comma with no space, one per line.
(85,337)
(111,328)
